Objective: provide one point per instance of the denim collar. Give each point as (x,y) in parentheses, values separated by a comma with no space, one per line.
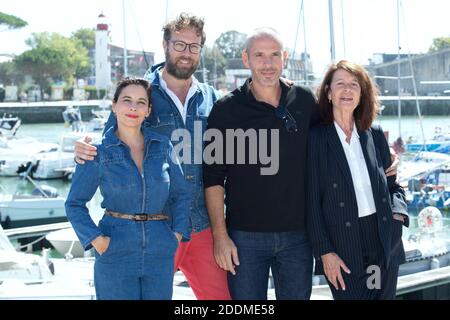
(110,139)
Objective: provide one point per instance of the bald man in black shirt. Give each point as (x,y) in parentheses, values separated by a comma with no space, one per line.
(268,121)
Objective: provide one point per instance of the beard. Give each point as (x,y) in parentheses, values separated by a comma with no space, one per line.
(180,73)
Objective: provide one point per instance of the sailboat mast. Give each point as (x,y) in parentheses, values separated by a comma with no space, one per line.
(296,34)
(305,69)
(413,79)
(343,27)
(167,10)
(332,47)
(125,55)
(399,103)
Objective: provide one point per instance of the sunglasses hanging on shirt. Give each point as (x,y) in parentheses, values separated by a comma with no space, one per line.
(289,122)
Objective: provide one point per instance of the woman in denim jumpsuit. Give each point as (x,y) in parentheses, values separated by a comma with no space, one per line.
(137,178)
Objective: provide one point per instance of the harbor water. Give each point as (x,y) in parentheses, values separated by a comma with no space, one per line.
(52,132)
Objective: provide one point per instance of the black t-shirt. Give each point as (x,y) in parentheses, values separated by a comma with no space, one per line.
(257,202)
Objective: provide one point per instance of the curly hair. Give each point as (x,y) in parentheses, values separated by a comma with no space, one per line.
(365,113)
(185,21)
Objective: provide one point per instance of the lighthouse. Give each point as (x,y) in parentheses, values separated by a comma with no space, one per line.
(102,54)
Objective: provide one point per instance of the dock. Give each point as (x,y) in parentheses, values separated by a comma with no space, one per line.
(48,111)
(427,285)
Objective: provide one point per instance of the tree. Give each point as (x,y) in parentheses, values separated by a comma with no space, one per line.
(11,22)
(439,44)
(53,57)
(231,43)
(9,74)
(86,36)
(214,62)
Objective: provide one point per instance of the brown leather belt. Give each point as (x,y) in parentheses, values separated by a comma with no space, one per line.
(137,216)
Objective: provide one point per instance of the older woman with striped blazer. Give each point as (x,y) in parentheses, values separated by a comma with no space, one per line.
(356,213)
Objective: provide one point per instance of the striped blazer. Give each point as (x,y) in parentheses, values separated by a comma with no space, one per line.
(332,214)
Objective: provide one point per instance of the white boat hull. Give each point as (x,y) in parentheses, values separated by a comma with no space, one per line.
(21,212)
(54,165)
(65,241)
(16,152)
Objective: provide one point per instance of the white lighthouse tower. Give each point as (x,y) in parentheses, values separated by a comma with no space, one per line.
(102,54)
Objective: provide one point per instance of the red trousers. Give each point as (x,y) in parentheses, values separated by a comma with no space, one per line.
(196,260)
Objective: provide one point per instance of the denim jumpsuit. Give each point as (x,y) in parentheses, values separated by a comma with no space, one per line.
(138,263)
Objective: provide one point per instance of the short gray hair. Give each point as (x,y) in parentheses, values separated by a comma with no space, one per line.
(264,32)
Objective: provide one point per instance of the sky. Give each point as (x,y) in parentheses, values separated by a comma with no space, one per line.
(370,26)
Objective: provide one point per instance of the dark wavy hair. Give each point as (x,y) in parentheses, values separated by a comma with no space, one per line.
(133,81)
(185,21)
(367,109)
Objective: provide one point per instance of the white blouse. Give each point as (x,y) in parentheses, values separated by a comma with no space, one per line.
(358,169)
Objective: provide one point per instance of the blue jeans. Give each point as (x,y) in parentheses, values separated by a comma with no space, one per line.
(289,256)
(138,264)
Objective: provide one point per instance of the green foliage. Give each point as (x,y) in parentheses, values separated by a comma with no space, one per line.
(86,36)
(439,44)
(9,74)
(12,22)
(93,93)
(214,61)
(53,57)
(231,43)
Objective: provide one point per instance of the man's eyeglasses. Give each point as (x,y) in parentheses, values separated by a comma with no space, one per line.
(289,122)
(180,46)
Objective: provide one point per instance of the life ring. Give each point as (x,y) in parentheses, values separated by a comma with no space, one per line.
(430,220)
